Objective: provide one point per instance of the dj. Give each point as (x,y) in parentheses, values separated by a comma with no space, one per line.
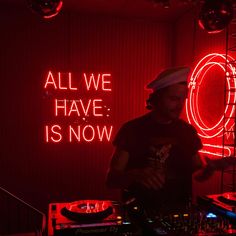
(157,153)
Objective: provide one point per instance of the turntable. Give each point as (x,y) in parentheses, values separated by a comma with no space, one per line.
(224,204)
(87,217)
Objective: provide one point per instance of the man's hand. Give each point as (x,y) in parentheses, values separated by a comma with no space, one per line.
(214,165)
(220,163)
(204,174)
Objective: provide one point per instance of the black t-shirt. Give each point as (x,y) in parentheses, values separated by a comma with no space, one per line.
(169,148)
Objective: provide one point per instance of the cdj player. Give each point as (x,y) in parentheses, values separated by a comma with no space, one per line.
(87,217)
(223,204)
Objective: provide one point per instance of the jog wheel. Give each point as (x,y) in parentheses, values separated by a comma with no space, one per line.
(87,210)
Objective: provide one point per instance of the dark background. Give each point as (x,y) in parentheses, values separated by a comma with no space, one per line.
(132,47)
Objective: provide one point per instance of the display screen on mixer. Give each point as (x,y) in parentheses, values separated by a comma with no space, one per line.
(211,215)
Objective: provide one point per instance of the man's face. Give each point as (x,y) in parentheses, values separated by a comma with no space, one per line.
(172,101)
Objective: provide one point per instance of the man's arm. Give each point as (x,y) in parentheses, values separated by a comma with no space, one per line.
(119,177)
(197,162)
(204,173)
(209,166)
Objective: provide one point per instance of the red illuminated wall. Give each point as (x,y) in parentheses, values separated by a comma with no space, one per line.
(131,50)
(192,44)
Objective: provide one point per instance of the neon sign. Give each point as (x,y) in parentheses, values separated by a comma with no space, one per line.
(208,133)
(78,107)
(92,82)
(81,117)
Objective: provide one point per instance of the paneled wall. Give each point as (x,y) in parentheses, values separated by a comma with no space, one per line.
(131,50)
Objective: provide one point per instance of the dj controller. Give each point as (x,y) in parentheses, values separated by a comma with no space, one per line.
(214,215)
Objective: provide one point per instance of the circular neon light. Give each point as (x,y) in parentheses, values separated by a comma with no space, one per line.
(192,106)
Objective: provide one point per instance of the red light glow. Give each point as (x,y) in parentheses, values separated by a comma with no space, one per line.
(58,8)
(78,107)
(63,81)
(101,79)
(50,81)
(55,133)
(87,133)
(215,150)
(192,103)
(72,107)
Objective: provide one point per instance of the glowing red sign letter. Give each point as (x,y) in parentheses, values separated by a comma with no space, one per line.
(50,80)
(60,107)
(91,80)
(53,134)
(105,82)
(95,107)
(104,130)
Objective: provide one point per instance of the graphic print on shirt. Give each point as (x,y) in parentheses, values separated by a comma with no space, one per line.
(158,152)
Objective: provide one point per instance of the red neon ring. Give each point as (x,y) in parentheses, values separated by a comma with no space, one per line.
(197,76)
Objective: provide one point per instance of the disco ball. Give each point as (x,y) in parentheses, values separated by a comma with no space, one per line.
(46,8)
(215,15)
